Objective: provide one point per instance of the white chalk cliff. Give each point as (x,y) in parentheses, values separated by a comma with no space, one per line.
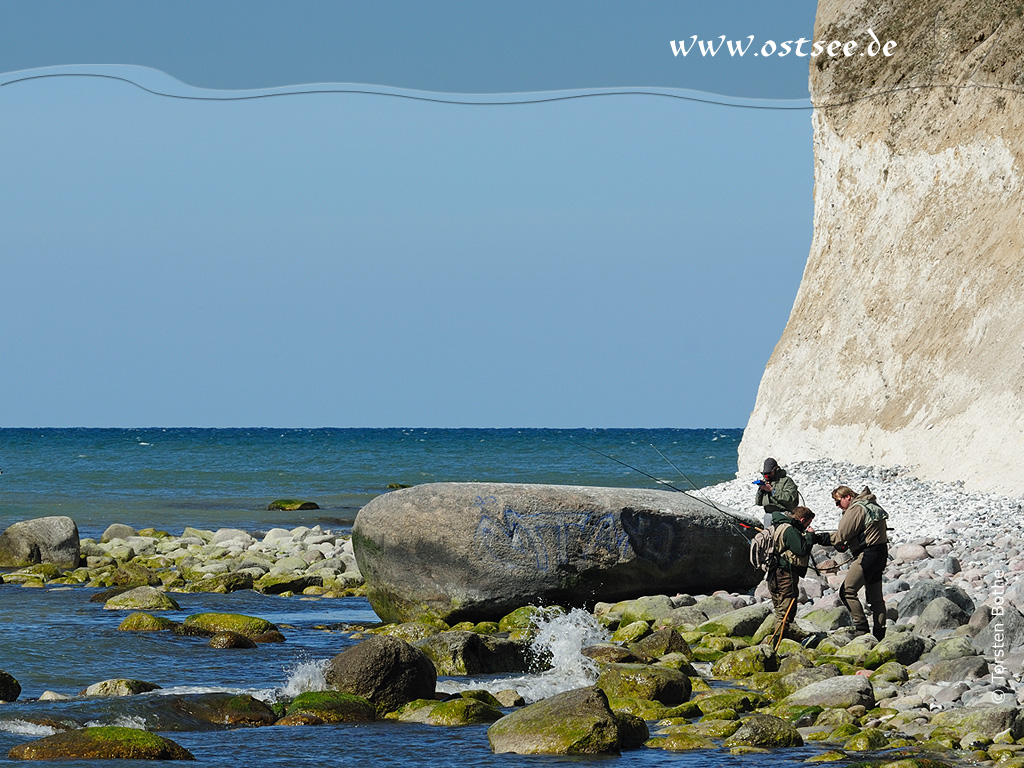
(905,344)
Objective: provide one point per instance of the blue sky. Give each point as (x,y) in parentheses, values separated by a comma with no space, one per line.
(365,260)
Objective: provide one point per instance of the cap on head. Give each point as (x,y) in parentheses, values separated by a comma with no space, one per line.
(770,465)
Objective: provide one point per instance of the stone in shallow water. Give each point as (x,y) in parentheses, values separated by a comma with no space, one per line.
(103,742)
(574,722)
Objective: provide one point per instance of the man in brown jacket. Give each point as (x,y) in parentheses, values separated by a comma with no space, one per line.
(862,528)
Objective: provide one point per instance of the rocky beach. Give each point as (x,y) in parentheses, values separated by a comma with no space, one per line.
(674,672)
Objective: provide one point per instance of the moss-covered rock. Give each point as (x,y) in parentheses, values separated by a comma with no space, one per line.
(103,742)
(291,505)
(745,662)
(632,632)
(145,622)
(681,742)
(648,709)
(662,684)
(662,643)
(989,721)
(890,672)
(415,711)
(142,599)
(904,647)
(410,631)
(527,617)
(332,706)
(574,722)
(463,711)
(736,700)
(867,739)
(209,624)
(765,731)
(741,622)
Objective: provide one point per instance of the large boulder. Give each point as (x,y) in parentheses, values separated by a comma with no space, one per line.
(472,551)
(386,671)
(43,540)
(577,722)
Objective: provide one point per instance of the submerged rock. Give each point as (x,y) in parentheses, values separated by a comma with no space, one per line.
(145,622)
(42,540)
(471,551)
(291,505)
(577,722)
(102,742)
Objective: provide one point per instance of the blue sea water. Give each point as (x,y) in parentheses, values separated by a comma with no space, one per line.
(56,639)
(214,478)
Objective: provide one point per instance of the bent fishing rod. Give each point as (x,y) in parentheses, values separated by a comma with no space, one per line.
(669,485)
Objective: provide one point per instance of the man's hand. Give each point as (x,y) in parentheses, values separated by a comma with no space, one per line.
(766,487)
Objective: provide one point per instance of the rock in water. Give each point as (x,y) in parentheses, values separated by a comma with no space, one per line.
(577,722)
(10,689)
(43,540)
(105,742)
(386,671)
(471,551)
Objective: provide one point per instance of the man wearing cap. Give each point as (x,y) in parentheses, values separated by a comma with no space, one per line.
(777,493)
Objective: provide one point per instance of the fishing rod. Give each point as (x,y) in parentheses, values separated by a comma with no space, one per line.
(686,478)
(669,485)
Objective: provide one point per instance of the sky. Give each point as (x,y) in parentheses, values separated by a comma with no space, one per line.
(172,255)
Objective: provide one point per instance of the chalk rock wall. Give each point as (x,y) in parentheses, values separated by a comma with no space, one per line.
(905,344)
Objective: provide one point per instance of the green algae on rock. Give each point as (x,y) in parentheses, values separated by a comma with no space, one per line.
(291,505)
(765,731)
(332,707)
(145,622)
(463,711)
(210,624)
(661,684)
(103,742)
(577,722)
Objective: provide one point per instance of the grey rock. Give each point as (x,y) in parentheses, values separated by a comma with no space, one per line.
(738,623)
(845,691)
(472,551)
(950,648)
(119,687)
(941,613)
(1005,631)
(649,608)
(42,540)
(985,720)
(713,605)
(952,670)
(117,531)
(922,593)
(383,670)
(829,619)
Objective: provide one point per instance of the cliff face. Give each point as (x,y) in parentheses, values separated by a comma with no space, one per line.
(906,341)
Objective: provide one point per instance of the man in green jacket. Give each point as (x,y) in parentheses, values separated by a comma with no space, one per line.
(777,492)
(793,539)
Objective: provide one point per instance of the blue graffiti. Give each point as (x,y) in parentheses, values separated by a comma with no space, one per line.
(545,540)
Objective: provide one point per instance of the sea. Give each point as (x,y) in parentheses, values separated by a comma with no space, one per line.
(55,639)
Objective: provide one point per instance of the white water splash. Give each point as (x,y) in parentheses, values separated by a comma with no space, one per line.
(304,676)
(26,729)
(560,638)
(122,721)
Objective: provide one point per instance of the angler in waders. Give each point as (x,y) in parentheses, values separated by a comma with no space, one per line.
(793,538)
(862,528)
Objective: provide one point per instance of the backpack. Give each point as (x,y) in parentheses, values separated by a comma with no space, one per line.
(762,550)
